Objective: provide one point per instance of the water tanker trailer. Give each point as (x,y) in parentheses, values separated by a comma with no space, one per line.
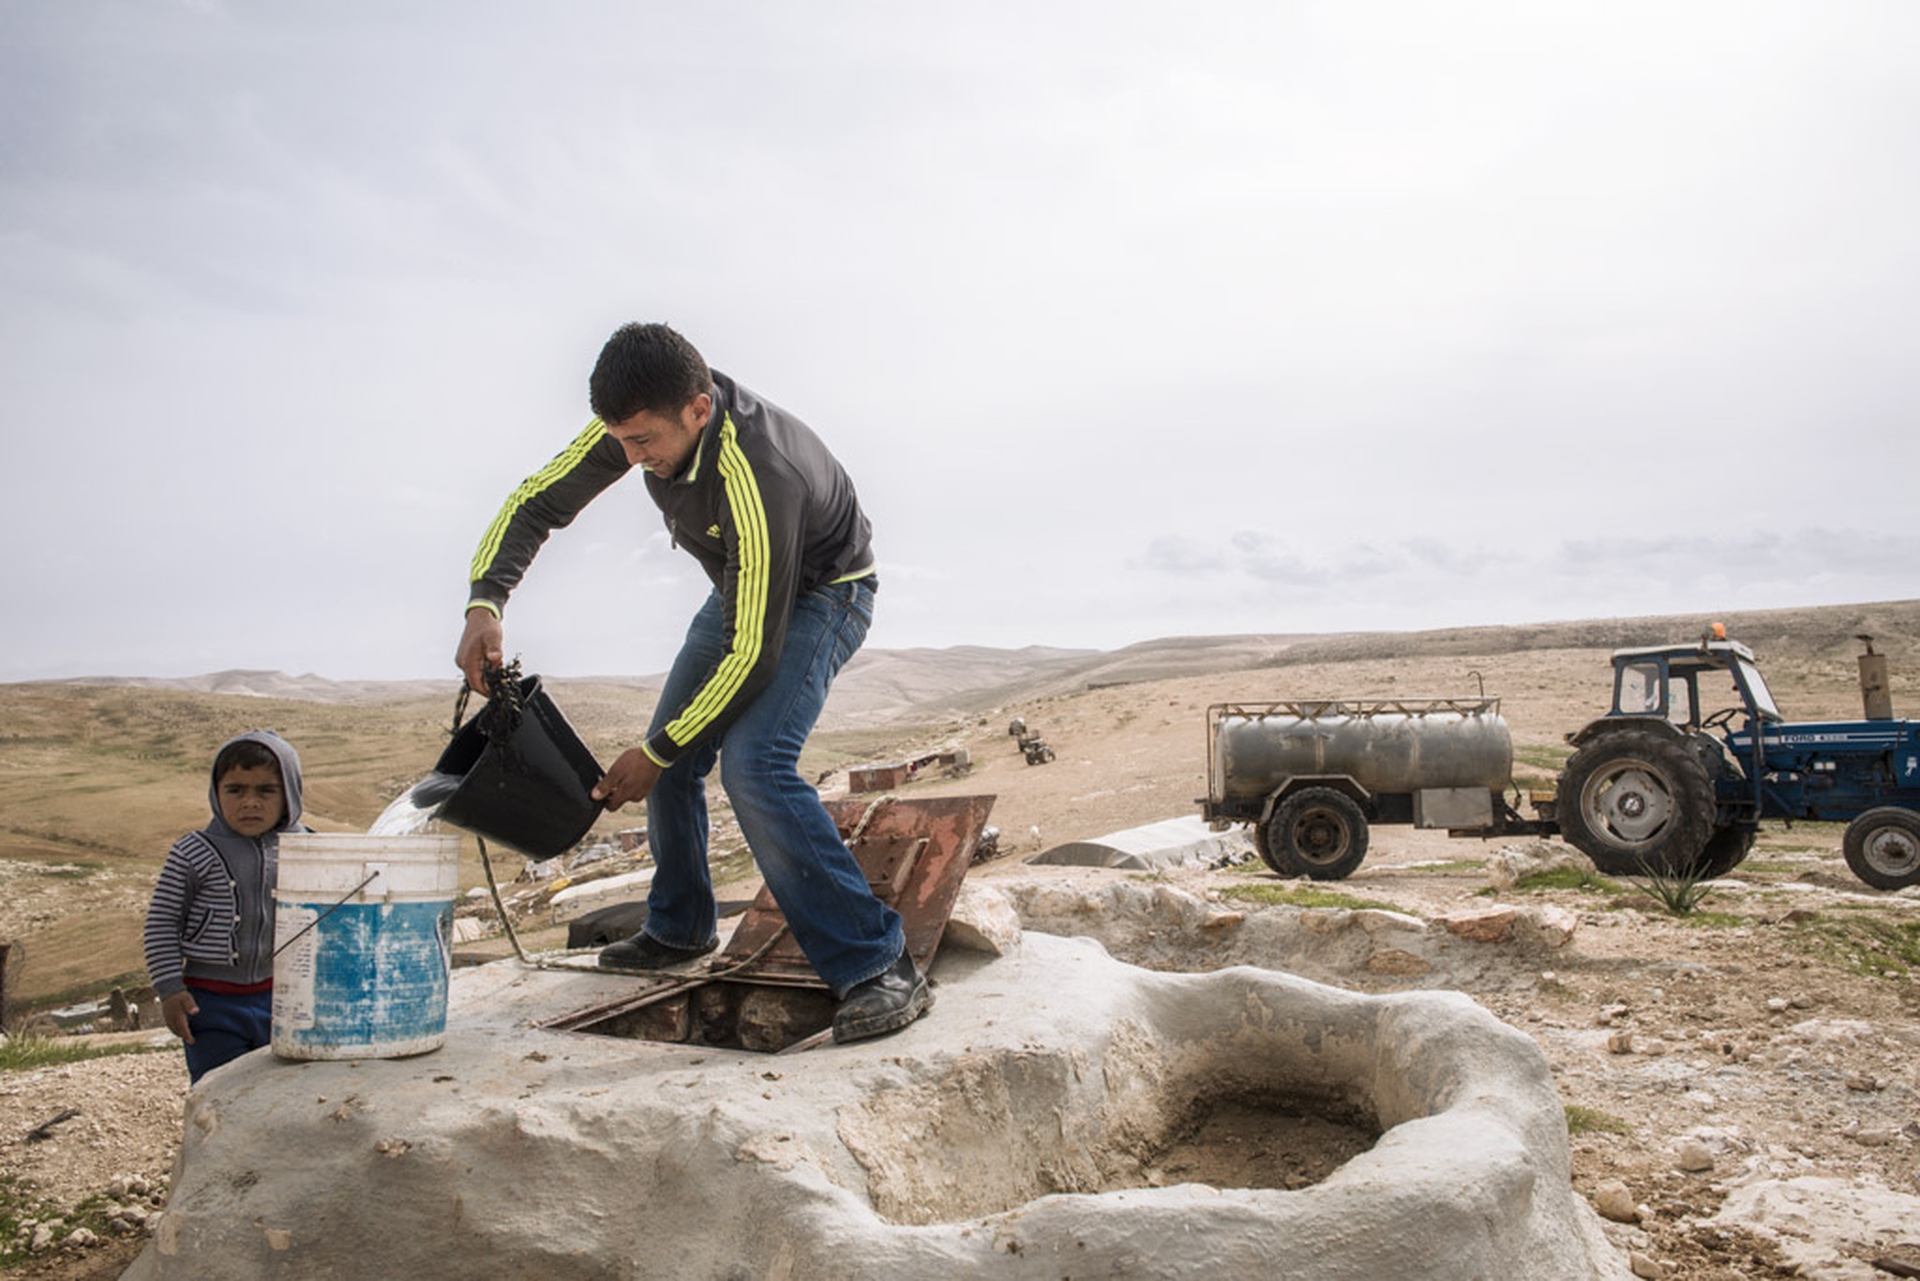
(1311,775)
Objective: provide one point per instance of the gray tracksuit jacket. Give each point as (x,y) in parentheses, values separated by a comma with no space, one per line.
(762,505)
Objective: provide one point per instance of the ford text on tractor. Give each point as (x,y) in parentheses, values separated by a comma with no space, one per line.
(1694,754)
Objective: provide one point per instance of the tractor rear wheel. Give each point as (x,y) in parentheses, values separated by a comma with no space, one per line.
(1883,847)
(1726,849)
(1635,801)
(1316,832)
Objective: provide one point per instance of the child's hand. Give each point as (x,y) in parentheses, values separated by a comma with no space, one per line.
(175,1010)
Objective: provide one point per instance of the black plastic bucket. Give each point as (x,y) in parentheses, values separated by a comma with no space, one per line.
(529,790)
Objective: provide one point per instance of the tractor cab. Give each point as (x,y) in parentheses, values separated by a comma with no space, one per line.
(1667,682)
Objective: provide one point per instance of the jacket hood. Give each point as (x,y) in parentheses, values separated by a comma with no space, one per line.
(289,781)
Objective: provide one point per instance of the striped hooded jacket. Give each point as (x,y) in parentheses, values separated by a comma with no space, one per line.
(762,505)
(212,910)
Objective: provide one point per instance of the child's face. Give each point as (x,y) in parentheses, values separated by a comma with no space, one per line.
(250,799)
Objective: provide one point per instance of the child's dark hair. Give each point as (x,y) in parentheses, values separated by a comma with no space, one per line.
(245,753)
(645,368)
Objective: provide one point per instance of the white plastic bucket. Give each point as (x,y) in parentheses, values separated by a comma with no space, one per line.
(362,928)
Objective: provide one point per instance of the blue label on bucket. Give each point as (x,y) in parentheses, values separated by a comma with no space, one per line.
(369,976)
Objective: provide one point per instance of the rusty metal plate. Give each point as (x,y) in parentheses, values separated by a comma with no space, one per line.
(915,853)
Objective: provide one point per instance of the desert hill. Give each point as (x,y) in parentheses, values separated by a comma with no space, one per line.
(889,684)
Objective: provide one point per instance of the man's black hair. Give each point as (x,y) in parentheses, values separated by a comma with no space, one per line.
(247,753)
(645,368)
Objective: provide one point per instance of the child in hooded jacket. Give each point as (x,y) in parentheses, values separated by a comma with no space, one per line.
(209,931)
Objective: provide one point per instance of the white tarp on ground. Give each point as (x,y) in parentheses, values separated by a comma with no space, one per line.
(1172,842)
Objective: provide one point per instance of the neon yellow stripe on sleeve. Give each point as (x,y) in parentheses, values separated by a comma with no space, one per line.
(751,589)
(563,462)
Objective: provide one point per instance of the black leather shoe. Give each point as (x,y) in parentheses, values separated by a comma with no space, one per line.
(884,1003)
(643,953)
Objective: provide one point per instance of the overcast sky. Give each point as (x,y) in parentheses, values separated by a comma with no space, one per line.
(1129,320)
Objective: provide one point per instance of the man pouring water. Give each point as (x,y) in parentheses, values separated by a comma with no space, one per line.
(750,492)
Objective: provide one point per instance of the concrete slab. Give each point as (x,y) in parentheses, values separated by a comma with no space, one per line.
(1015,1128)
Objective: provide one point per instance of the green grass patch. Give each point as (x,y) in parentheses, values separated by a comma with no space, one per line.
(1590,1121)
(1301,896)
(1766,867)
(1862,945)
(22,1053)
(1545,757)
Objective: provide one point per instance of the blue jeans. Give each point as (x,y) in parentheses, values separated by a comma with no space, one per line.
(847,934)
(228,1025)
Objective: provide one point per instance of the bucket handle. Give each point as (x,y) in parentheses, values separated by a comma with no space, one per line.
(371,877)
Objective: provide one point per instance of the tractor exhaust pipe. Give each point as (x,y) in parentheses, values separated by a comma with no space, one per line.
(1875,698)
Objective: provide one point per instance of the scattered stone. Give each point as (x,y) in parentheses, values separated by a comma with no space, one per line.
(1613,1014)
(1776,1005)
(1555,925)
(1487,925)
(1620,1043)
(83,1238)
(983,920)
(1864,1084)
(1506,866)
(1376,920)
(1695,1158)
(1644,1266)
(1614,1202)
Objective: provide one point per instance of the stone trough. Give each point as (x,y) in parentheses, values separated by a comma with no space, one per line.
(1058,1114)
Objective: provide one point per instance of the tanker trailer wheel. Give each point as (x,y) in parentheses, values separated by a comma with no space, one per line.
(1315,832)
(1726,849)
(1633,800)
(1883,847)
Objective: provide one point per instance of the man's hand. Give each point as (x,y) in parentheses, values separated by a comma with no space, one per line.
(482,645)
(175,1010)
(630,779)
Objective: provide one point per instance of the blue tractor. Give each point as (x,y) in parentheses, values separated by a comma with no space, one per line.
(1660,784)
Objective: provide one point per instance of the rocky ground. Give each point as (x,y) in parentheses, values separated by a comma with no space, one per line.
(1742,1084)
